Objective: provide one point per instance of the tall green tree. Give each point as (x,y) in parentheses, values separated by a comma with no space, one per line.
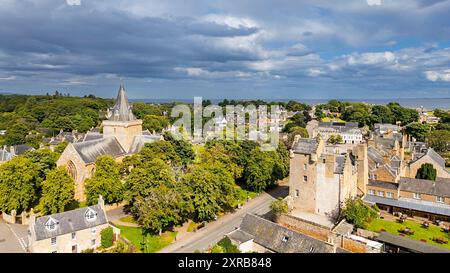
(426,171)
(155,123)
(439,140)
(45,160)
(211,190)
(19,180)
(16,134)
(146,176)
(159,209)
(417,130)
(357,213)
(259,170)
(182,147)
(106,182)
(58,191)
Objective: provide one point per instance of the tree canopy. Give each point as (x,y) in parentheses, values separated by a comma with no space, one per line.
(58,191)
(19,180)
(426,171)
(106,182)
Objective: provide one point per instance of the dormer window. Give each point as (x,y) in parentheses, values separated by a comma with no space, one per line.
(51,224)
(90,215)
(285,239)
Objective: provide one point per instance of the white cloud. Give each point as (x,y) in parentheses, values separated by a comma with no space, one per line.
(73,2)
(8,78)
(373,2)
(442,75)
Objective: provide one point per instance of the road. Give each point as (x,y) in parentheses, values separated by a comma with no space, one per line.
(214,231)
(10,238)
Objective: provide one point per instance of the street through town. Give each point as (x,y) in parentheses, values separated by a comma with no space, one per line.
(214,231)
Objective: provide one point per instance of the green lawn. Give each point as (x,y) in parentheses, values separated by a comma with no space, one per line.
(127,219)
(242,195)
(328,119)
(153,242)
(419,232)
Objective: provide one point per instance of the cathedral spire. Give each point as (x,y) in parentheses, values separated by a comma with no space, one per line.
(122,109)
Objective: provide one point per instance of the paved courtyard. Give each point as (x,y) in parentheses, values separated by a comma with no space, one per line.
(11,238)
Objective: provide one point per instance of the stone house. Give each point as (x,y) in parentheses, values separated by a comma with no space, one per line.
(68,232)
(7,153)
(257,234)
(122,136)
(349,131)
(414,197)
(429,156)
(320,181)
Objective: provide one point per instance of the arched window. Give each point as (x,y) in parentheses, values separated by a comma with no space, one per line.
(72,170)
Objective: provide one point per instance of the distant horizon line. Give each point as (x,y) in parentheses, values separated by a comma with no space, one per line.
(244,99)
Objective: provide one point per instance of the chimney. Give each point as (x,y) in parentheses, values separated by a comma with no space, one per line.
(32,220)
(101,201)
(362,167)
(329,165)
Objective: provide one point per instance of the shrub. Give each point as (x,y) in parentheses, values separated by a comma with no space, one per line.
(357,213)
(121,247)
(279,206)
(88,250)
(228,246)
(107,237)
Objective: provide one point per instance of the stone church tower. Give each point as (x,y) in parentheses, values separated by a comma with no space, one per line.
(122,136)
(121,122)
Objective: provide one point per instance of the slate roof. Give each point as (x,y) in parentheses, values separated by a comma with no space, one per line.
(340,127)
(386,126)
(436,188)
(140,141)
(306,146)
(340,164)
(419,205)
(374,155)
(68,222)
(92,136)
(339,124)
(433,155)
(412,245)
(121,111)
(383,184)
(22,148)
(270,235)
(240,236)
(90,150)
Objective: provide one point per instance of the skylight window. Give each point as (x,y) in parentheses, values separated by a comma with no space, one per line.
(90,215)
(285,239)
(51,224)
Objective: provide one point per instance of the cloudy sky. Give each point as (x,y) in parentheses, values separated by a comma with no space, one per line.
(226,48)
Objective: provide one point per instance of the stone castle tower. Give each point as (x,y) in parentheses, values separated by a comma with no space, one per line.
(121,122)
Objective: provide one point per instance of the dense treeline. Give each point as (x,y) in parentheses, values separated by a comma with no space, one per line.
(367,115)
(28,119)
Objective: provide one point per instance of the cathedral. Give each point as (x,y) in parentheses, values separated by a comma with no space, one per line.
(122,135)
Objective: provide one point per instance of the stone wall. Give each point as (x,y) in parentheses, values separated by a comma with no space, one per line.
(305,227)
(440,171)
(303,192)
(9,218)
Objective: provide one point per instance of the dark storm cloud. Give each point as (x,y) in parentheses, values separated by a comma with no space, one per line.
(226,46)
